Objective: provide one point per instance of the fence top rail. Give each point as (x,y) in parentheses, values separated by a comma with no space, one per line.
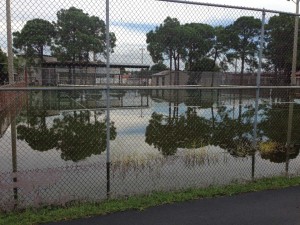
(229,6)
(178,87)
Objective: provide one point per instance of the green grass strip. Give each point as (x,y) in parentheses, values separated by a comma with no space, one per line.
(81,210)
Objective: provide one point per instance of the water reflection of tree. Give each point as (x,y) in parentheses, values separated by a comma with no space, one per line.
(277,152)
(119,94)
(274,126)
(230,127)
(36,133)
(168,133)
(200,98)
(162,134)
(234,134)
(79,138)
(223,128)
(76,134)
(195,130)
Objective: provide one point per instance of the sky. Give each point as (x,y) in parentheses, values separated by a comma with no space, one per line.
(154,14)
(279,5)
(130,20)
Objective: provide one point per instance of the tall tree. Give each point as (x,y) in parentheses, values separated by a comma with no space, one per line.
(79,34)
(279,50)
(3,67)
(3,57)
(243,41)
(160,66)
(198,66)
(35,36)
(207,53)
(166,42)
(198,40)
(219,50)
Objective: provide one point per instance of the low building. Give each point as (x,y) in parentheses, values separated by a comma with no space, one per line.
(83,73)
(168,77)
(215,79)
(53,72)
(297,78)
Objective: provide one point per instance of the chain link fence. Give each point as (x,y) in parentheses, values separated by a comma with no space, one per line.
(53,141)
(64,42)
(157,100)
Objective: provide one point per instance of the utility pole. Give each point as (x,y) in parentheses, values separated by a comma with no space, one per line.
(142,49)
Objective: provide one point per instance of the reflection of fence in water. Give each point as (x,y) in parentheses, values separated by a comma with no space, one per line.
(11,103)
(87,99)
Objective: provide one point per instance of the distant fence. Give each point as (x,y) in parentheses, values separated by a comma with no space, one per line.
(11,103)
(8,97)
(49,77)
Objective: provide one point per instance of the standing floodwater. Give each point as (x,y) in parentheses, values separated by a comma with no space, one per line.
(160,140)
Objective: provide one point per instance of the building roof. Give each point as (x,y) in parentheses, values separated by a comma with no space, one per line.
(161,73)
(166,72)
(48,58)
(93,64)
(51,61)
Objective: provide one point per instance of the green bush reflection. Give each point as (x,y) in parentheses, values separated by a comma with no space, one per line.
(228,127)
(274,126)
(168,133)
(76,134)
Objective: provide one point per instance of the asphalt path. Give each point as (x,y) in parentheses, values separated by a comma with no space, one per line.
(271,207)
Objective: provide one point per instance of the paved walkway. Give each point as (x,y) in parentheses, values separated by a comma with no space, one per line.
(273,207)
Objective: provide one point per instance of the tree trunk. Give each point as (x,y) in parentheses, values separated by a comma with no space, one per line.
(170,81)
(41,55)
(242,69)
(213,74)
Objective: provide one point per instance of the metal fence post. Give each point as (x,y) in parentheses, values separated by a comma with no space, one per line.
(9,44)
(289,131)
(107,102)
(14,154)
(257,91)
(291,93)
(13,116)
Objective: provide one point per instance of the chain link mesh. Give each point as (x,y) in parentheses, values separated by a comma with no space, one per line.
(53,141)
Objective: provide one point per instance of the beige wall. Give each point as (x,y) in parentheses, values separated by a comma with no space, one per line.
(175,78)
